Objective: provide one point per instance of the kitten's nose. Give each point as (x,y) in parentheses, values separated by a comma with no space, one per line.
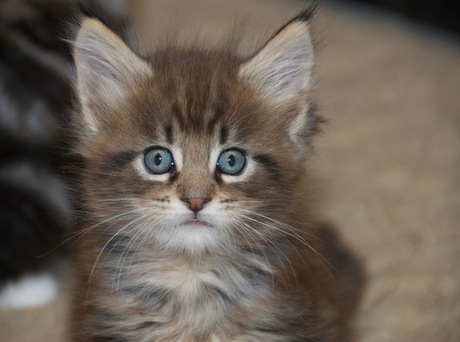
(195,204)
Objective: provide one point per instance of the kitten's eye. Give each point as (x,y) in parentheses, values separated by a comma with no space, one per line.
(231,162)
(158,160)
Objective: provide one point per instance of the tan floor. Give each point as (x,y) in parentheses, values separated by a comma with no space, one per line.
(389,157)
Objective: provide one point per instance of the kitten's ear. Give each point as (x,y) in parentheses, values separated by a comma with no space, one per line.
(106,70)
(281,70)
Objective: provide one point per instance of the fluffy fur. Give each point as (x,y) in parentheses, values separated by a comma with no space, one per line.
(248,262)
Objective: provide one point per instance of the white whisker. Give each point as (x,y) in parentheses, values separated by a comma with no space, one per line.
(109,241)
(289,231)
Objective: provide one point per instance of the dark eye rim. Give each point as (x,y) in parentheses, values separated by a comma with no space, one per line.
(172,166)
(219,171)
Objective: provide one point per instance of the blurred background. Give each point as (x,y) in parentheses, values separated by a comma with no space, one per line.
(443,13)
(388,83)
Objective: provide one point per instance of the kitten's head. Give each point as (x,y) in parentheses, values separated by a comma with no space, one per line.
(194,150)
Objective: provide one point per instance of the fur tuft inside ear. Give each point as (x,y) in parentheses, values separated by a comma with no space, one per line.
(281,70)
(106,70)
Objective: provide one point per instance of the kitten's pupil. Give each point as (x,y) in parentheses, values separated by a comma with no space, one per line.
(231,160)
(158,159)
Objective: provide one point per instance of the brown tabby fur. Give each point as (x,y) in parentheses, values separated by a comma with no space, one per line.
(262,269)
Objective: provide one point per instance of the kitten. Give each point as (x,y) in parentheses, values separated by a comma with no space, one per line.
(197,226)
(35,93)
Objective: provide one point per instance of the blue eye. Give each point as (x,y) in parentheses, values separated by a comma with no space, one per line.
(231,162)
(158,160)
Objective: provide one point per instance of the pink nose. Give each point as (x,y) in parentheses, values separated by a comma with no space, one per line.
(195,204)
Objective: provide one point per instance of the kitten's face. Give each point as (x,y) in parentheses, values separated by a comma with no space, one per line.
(192,152)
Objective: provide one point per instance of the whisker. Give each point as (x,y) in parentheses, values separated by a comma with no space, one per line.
(272,245)
(290,232)
(282,224)
(261,249)
(142,231)
(79,233)
(124,254)
(107,243)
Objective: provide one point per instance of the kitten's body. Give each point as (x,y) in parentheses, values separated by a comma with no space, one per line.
(197,253)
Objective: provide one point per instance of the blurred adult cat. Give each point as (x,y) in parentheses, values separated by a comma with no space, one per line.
(36,72)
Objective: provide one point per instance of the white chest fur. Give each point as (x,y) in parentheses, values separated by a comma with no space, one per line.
(184,298)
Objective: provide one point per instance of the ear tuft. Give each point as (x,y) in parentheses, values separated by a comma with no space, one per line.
(306,15)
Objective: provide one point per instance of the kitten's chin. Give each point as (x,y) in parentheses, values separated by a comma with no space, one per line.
(193,236)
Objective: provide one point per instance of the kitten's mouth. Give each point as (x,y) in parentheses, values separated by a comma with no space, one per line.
(196,224)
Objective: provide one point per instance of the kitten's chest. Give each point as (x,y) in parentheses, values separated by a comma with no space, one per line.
(195,298)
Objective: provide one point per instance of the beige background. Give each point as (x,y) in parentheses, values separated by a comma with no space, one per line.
(389,157)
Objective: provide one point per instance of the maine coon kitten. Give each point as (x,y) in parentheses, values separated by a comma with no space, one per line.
(36,93)
(197,227)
